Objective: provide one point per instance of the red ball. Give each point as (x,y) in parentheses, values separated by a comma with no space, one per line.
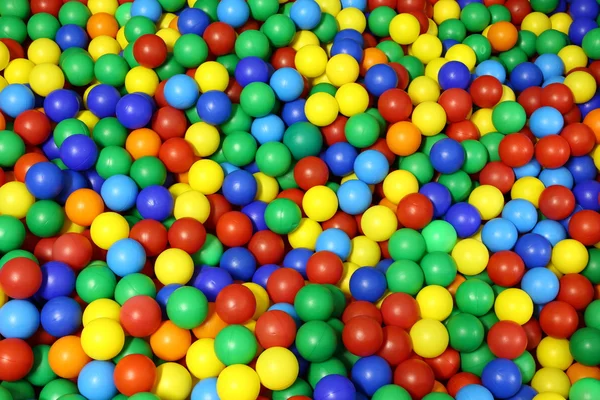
(73,249)
(395,105)
(150,51)
(557,202)
(463,130)
(311,171)
(151,234)
(573,116)
(397,345)
(45,6)
(515,150)
(218,207)
(580,137)
(486,91)
(361,309)
(234,229)
(530,99)
(267,247)
(177,155)
(381,146)
(507,339)
(559,319)
(134,373)
(552,151)
(415,211)
(20,278)
(445,365)
(403,76)
(284,57)
(362,336)
(584,226)
(506,268)
(33,126)
(342,221)
(43,249)
(16,359)
(140,316)
(461,380)
(169,122)
(576,290)
(498,175)
(405,6)
(400,309)
(283,284)
(559,96)
(416,377)
(373,4)
(534,333)
(334,132)
(220,38)
(324,267)
(14,48)
(275,328)
(187,234)
(235,304)
(457,103)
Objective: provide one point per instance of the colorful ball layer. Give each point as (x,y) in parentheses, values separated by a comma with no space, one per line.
(299,200)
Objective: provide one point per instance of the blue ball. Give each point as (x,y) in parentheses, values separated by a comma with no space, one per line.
(262,274)
(79,152)
(134,110)
(586,194)
(525,393)
(95,381)
(297,259)
(58,279)
(181,91)
(306,14)
(252,168)
(240,187)
(554,79)
(256,212)
(541,285)
(589,105)
(102,100)
(269,128)
(368,284)
(16,99)
(525,75)
(447,156)
(44,180)
(454,74)
(384,264)
(584,9)
(61,316)
(239,262)
(351,34)
(347,46)
(551,65)
(501,377)
(558,176)
(61,104)
(336,241)
(155,202)
(354,197)
(464,218)
(551,230)
(150,9)
(340,158)
(192,20)
(72,181)
(440,197)
(522,213)
(214,107)
(499,234)
(163,296)
(334,387)
(251,69)
(546,121)
(582,168)
(293,112)
(532,168)
(447,45)
(119,193)
(370,373)
(287,83)
(534,249)
(94,179)
(474,392)
(371,167)
(492,68)
(211,280)
(18,319)
(233,12)
(360,4)
(126,256)
(579,27)
(380,78)
(50,149)
(71,35)
(206,389)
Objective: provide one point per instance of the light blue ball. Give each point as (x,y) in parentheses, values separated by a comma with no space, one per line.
(233,12)
(558,176)
(150,9)
(126,256)
(269,128)
(15,99)
(551,230)
(532,168)
(491,68)
(541,285)
(206,389)
(287,83)
(354,197)
(119,192)
(474,392)
(546,121)
(551,65)
(336,241)
(306,14)
(371,167)
(96,382)
(19,319)
(522,213)
(181,92)
(499,234)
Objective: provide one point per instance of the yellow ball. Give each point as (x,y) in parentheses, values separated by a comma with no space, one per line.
(365,252)
(102,339)
(582,84)
(404,28)
(101,308)
(444,10)
(561,22)
(261,296)
(321,109)
(471,256)
(572,57)
(349,269)
(554,353)
(570,256)
(46,78)
(427,48)
(398,184)
(267,187)
(43,51)
(303,39)
(102,45)
(514,305)
(432,70)
(201,359)
(211,76)
(548,396)
(429,338)
(423,89)
(429,117)
(352,99)
(432,28)
(107,228)
(463,54)
(203,138)
(88,118)
(4,55)
(551,380)
(15,199)
(173,382)
(169,36)
(379,223)
(206,176)
(311,61)
(320,203)
(18,71)
(528,188)
(238,382)
(277,368)
(103,6)
(3,297)
(488,200)
(179,188)
(507,94)
(3,83)
(435,302)
(351,18)
(482,119)
(174,266)
(332,7)
(121,39)
(536,22)
(141,80)
(192,204)
(305,235)
(342,69)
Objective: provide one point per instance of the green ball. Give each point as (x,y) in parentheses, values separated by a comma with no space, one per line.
(453,29)
(261,10)
(57,388)
(526,364)
(466,332)
(287,181)
(42,25)
(187,307)
(279,30)
(123,14)
(489,320)
(169,68)
(190,50)
(475,16)
(303,139)
(239,121)
(419,165)
(74,13)
(282,216)
(475,297)
(257,99)
(209,7)
(41,373)
(20,390)
(210,253)
(317,371)
(299,388)
(113,160)
(273,158)
(585,346)
(491,141)
(591,44)
(480,45)
(15,8)
(229,61)
(252,43)
(362,130)
(239,148)
(476,156)
(12,28)
(134,345)
(12,148)
(513,57)
(16,254)
(172,5)
(67,128)
(147,171)
(391,392)
(551,41)
(5,394)
(592,315)
(78,69)
(392,50)
(326,29)
(437,396)
(72,397)
(439,236)
(585,389)
(379,20)
(134,285)
(45,218)
(138,26)
(192,115)
(499,12)
(235,344)
(407,244)
(439,268)
(110,132)
(592,270)
(144,396)
(111,69)
(12,233)
(323,87)
(527,44)
(404,276)
(459,184)
(475,361)
(314,303)
(509,117)
(413,65)
(544,6)
(339,301)
(316,341)
(95,282)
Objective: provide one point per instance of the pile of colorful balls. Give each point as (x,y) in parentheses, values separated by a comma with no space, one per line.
(296,200)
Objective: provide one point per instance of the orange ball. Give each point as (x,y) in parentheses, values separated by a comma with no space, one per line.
(143,142)
(83,205)
(2,122)
(403,138)
(503,36)
(102,24)
(169,342)
(66,357)
(593,121)
(455,284)
(372,56)
(25,162)
(578,371)
(438,387)
(173,23)
(211,326)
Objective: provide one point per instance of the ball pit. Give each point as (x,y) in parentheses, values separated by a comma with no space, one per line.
(295,200)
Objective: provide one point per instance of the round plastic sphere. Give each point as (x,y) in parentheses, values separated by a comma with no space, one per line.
(235,304)
(362,336)
(16,99)
(464,218)
(277,368)
(214,107)
(140,316)
(507,339)
(102,100)
(61,104)
(501,377)
(535,250)
(181,92)
(583,344)
(21,278)
(469,392)
(546,121)
(16,361)
(334,387)
(155,202)
(96,380)
(58,279)
(102,339)
(371,373)
(499,234)
(44,180)
(125,257)
(134,373)
(61,316)
(18,319)
(380,78)
(454,74)
(371,166)
(134,111)
(354,197)
(514,305)
(119,192)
